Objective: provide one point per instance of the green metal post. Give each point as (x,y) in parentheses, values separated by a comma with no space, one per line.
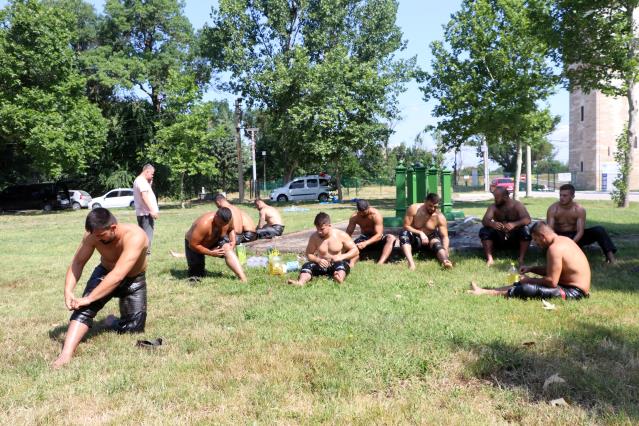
(432,180)
(411,191)
(400,191)
(447,192)
(420,176)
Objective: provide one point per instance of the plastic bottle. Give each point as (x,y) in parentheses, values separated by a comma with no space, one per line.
(513,275)
(240,250)
(292,266)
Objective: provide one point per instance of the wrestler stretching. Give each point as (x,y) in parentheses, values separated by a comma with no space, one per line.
(566,274)
(123,251)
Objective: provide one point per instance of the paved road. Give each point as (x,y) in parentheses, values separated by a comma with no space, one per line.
(580,195)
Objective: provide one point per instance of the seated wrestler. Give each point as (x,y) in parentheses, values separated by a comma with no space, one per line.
(505,224)
(328,251)
(568,218)
(270,224)
(425,228)
(371,225)
(121,274)
(566,274)
(242,234)
(212,234)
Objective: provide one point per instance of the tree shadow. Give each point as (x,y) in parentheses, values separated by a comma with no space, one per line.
(98,328)
(600,366)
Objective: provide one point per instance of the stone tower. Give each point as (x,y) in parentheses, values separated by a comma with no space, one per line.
(595,121)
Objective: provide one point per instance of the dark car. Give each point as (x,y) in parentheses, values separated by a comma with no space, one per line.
(37,196)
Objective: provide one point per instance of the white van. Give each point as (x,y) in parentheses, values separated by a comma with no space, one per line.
(312,187)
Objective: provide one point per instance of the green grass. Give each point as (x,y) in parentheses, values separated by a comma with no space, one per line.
(389,346)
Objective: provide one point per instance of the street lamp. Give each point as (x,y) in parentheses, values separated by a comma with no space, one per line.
(264,161)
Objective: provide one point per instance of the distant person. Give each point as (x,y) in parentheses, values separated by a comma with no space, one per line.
(505,225)
(568,218)
(371,225)
(238,218)
(212,234)
(121,274)
(270,223)
(425,228)
(566,274)
(146,205)
(329,251)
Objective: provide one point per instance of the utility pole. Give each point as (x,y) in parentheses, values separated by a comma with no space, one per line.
(252,131)
(528,171)
(238,143)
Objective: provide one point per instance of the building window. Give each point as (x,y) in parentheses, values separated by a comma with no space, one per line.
(582,166)
(582,113)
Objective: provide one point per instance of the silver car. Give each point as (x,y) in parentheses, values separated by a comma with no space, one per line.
(312,187)
(79,199)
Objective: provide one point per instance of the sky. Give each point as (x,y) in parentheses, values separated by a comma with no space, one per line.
(421,22)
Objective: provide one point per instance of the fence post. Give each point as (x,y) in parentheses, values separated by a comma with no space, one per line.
(432,180)
(400,191)
(420,176)
(447,196)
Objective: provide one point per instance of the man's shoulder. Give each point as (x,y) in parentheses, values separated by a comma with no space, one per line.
(132,233)
(340,234)
(553,206)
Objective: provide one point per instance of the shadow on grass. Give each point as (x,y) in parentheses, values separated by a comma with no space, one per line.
(183,274)
(97,329)
(599,364)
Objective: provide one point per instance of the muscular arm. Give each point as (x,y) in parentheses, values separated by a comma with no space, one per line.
(443,230)
(351,248)
(552,273)
(379,231)
(262,220)
(488,219)
(408,221)
(232,233)
(550,216)
(351,225)
(133,247)
(311,248)
(524,217)
(81,257)
(581,224)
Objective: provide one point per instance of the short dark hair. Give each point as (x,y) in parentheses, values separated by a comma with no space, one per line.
(99,219)
(225,214)
(322,219)
(219,197)
(538,227)
(567,187)
(362,205)
(432,197)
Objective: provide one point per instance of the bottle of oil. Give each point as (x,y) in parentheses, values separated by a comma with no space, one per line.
(513,275)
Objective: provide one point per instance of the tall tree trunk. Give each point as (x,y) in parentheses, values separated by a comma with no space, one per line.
(631,134)
(182,189)
(518,171)
(528,171)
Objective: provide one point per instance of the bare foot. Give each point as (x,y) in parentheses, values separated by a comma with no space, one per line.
(610,259)
(176,254)
(411,266)
(474,289)
(294,283)
(339,277)
(490,262)
(447,264)
(61,361)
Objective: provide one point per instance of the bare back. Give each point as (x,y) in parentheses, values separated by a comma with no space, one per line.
(130,238)
(271,216)
(564,219)
(247,222)
(566,258)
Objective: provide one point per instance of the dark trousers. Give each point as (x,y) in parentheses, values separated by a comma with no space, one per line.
(147,223)
(596,234)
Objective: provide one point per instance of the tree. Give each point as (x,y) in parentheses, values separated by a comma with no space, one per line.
(596,42)
(48,129)
(489,77)
(324,72)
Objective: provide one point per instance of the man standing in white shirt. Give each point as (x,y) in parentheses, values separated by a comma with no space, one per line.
(146,205)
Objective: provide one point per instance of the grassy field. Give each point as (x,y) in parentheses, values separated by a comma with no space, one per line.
(390,346)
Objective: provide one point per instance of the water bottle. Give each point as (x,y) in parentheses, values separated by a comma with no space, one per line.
(513,275)
(292,266)
(240,250)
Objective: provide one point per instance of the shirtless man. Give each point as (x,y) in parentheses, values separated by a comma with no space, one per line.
(212,234)
(328,251)
(566,275)
(121,274)
(238,220)
(371,225)
(248,229)
(568,218)
(425,227)
(270,224)
(505,224)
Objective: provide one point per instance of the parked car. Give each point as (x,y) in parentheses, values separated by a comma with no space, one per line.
(37,196)
(79,199)
(312,187)
(503,182)
(119,197)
